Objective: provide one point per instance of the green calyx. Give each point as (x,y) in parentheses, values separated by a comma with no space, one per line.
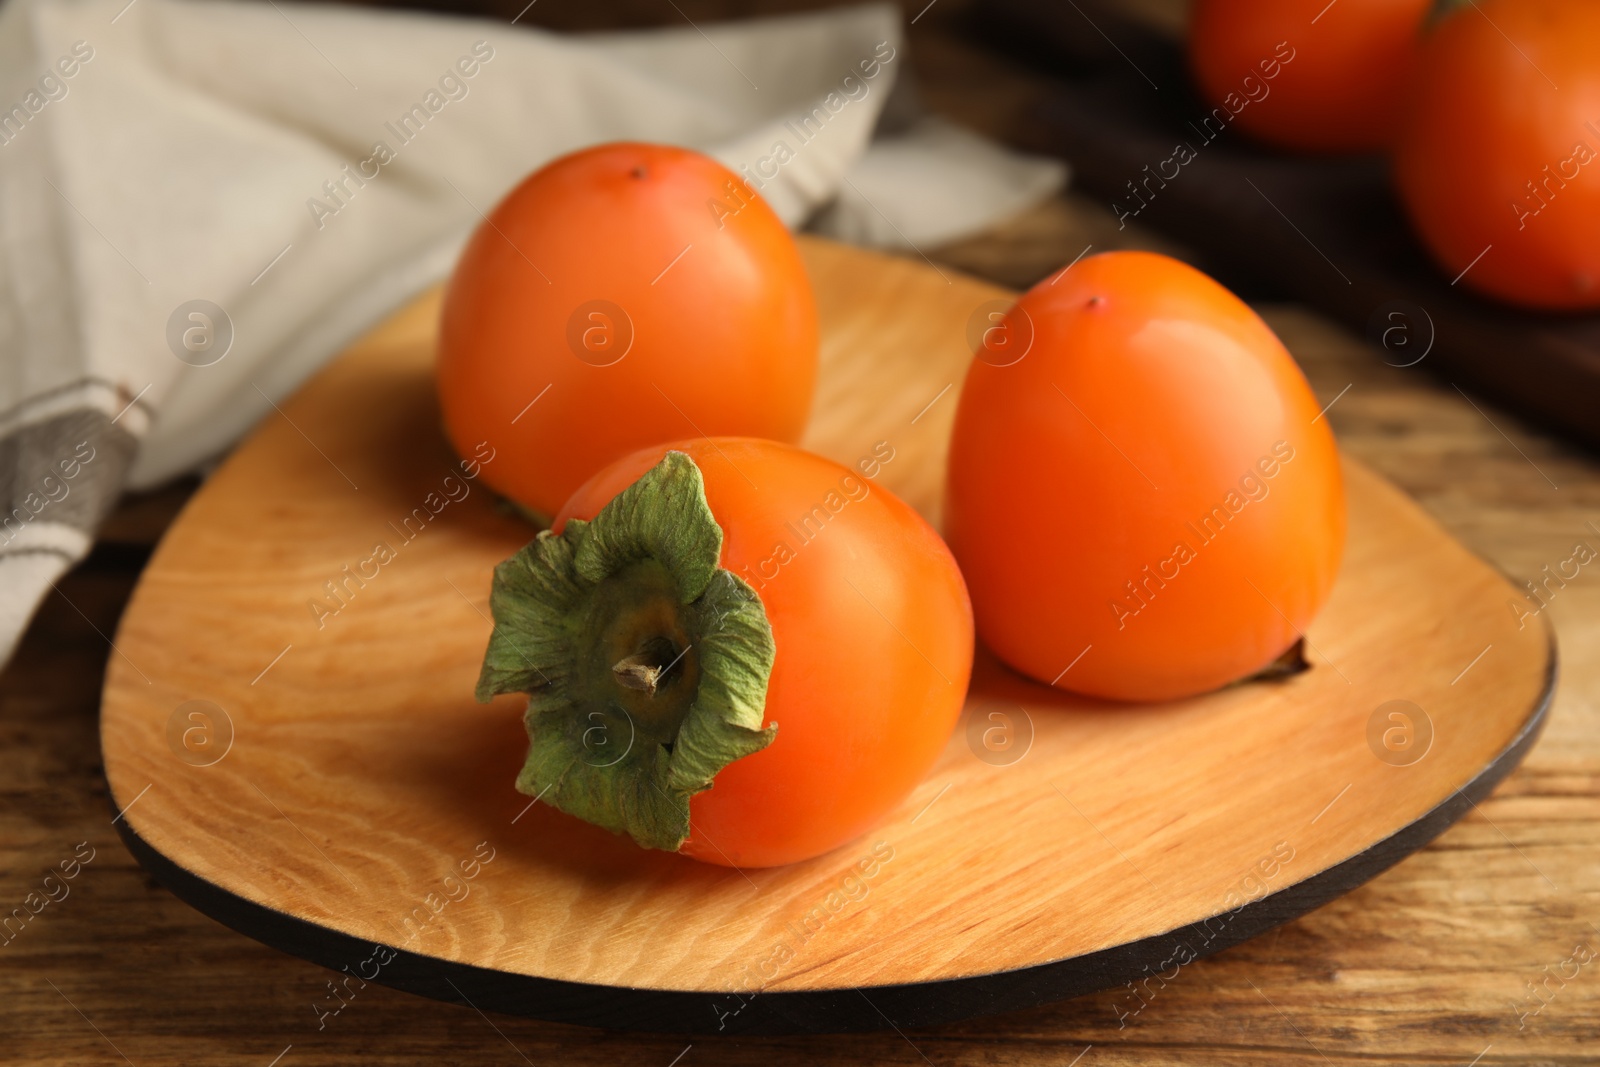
(645,663)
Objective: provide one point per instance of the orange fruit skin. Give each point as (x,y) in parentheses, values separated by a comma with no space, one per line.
(1491,161)
(1345,75)
(1150,397)
(874,638)
(711,288)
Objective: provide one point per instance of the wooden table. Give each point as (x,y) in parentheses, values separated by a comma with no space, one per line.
(1435,961)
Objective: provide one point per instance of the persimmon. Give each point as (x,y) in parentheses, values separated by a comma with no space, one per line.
(733,649)
(1308,75)
(1499,162)
(1145,501)
(622,295)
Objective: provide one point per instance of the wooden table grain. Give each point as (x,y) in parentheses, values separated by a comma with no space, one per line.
(1483,948)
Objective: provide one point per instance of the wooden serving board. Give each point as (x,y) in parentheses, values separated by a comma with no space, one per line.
(341,796)
(1327,232)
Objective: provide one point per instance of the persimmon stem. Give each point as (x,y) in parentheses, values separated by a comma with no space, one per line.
(637,672)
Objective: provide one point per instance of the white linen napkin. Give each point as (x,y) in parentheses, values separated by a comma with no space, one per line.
(200,202)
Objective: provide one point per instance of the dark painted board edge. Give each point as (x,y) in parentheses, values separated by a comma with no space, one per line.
(878,1007)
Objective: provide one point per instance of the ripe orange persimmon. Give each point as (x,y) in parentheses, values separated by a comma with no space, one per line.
(622,295)
(1499,162)
(732,648)
(1145,502)
(1308,75)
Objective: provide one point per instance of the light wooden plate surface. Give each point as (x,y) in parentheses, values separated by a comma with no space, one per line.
(325,782)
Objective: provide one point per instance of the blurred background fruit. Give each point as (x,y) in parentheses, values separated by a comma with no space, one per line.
(1498,162)
(1308,75)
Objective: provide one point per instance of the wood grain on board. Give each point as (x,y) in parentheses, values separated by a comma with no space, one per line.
(363,779)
